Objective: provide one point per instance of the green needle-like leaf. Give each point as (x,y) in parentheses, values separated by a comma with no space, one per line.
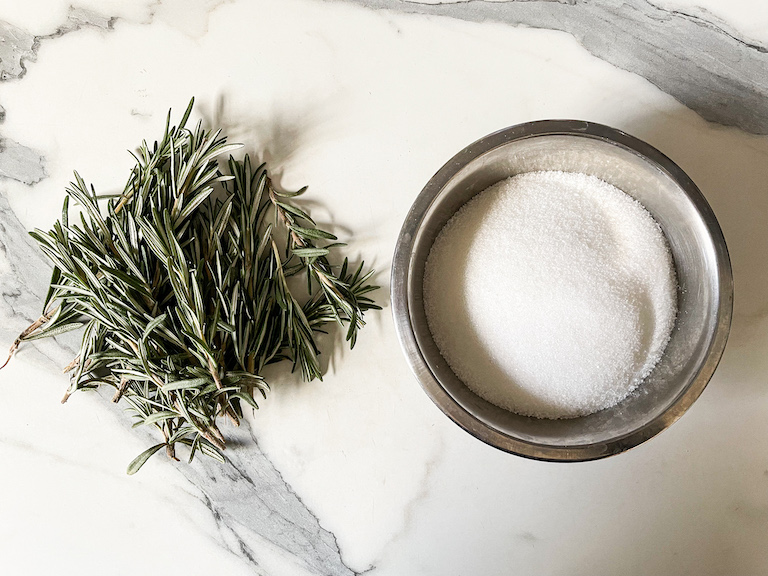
(180,283)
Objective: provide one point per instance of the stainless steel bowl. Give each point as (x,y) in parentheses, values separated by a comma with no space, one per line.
(705,293)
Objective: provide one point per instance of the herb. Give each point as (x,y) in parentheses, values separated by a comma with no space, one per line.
(181,288)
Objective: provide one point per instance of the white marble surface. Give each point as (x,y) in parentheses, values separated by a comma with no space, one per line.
(361,473)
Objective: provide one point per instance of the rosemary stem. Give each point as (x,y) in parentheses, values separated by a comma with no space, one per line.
(28,331)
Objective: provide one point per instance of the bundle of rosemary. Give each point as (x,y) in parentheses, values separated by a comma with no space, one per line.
(181,287)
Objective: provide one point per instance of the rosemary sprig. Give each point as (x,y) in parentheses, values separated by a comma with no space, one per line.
(181,288)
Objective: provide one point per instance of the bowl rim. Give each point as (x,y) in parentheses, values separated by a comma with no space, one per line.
(402,264)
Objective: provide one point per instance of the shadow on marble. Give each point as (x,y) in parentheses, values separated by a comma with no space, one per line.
(274,135)
(277,136)
(731,169)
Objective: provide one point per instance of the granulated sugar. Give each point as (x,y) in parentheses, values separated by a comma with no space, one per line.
(551,294)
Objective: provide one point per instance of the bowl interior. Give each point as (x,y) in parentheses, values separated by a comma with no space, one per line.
(695,256)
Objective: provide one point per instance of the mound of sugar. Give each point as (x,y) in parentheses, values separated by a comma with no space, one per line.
(551,294)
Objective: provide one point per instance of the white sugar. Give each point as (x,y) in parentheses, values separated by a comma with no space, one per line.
(551,294)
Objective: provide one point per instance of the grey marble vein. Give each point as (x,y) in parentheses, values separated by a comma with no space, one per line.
(234,542)
(24,274)
(248,498)
(691,56)
(249,495)
(18,162)
(82,17)
(17,47)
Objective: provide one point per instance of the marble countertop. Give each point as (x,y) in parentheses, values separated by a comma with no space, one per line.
(363,100)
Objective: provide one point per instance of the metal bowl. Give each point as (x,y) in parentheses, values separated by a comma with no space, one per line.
(705,293)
